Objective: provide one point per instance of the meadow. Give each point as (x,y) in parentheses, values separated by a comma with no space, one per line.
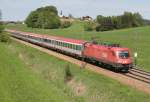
(28,75)
(137,39)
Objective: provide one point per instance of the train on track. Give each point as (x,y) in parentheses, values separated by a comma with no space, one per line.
(116,57)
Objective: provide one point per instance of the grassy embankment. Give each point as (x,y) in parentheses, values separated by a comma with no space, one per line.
(28,75)
(137,39)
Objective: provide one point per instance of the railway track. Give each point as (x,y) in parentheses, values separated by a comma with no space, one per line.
(139,74)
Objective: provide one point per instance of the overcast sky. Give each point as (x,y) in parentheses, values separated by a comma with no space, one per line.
(19,9)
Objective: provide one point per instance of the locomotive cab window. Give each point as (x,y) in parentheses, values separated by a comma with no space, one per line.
(123,54)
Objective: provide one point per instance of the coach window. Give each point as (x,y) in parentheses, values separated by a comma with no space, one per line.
(71,46)
(62,44)
(76,47)
(49,41)
(68,45)
(44,40)
(65,44)
(58,43)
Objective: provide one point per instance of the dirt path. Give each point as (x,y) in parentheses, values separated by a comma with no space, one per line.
(121,78)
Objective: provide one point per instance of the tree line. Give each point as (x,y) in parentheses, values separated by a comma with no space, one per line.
(47,18)
(126,20)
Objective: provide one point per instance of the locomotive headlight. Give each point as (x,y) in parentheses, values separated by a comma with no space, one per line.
(124,61)
(119,61)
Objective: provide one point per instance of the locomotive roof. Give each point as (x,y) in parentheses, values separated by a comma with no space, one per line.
(97,46)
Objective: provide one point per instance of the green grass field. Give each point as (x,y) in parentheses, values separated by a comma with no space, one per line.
(28,75)
(137,39)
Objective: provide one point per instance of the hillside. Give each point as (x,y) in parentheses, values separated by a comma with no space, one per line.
(137,39)
(19,83)
(28,75)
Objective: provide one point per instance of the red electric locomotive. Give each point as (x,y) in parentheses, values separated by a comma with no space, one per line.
(117,57)
(113,56)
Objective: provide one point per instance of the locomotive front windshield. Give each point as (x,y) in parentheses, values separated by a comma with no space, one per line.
(123,54)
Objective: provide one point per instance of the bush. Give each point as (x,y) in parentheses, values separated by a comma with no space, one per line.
(68,74)
(89,26)
(65,24)
(4,37)
(1,27)
(103,28)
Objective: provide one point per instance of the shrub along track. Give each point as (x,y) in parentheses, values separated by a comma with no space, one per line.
(122,78)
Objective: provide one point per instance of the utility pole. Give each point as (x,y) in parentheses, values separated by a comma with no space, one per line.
(135,49)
